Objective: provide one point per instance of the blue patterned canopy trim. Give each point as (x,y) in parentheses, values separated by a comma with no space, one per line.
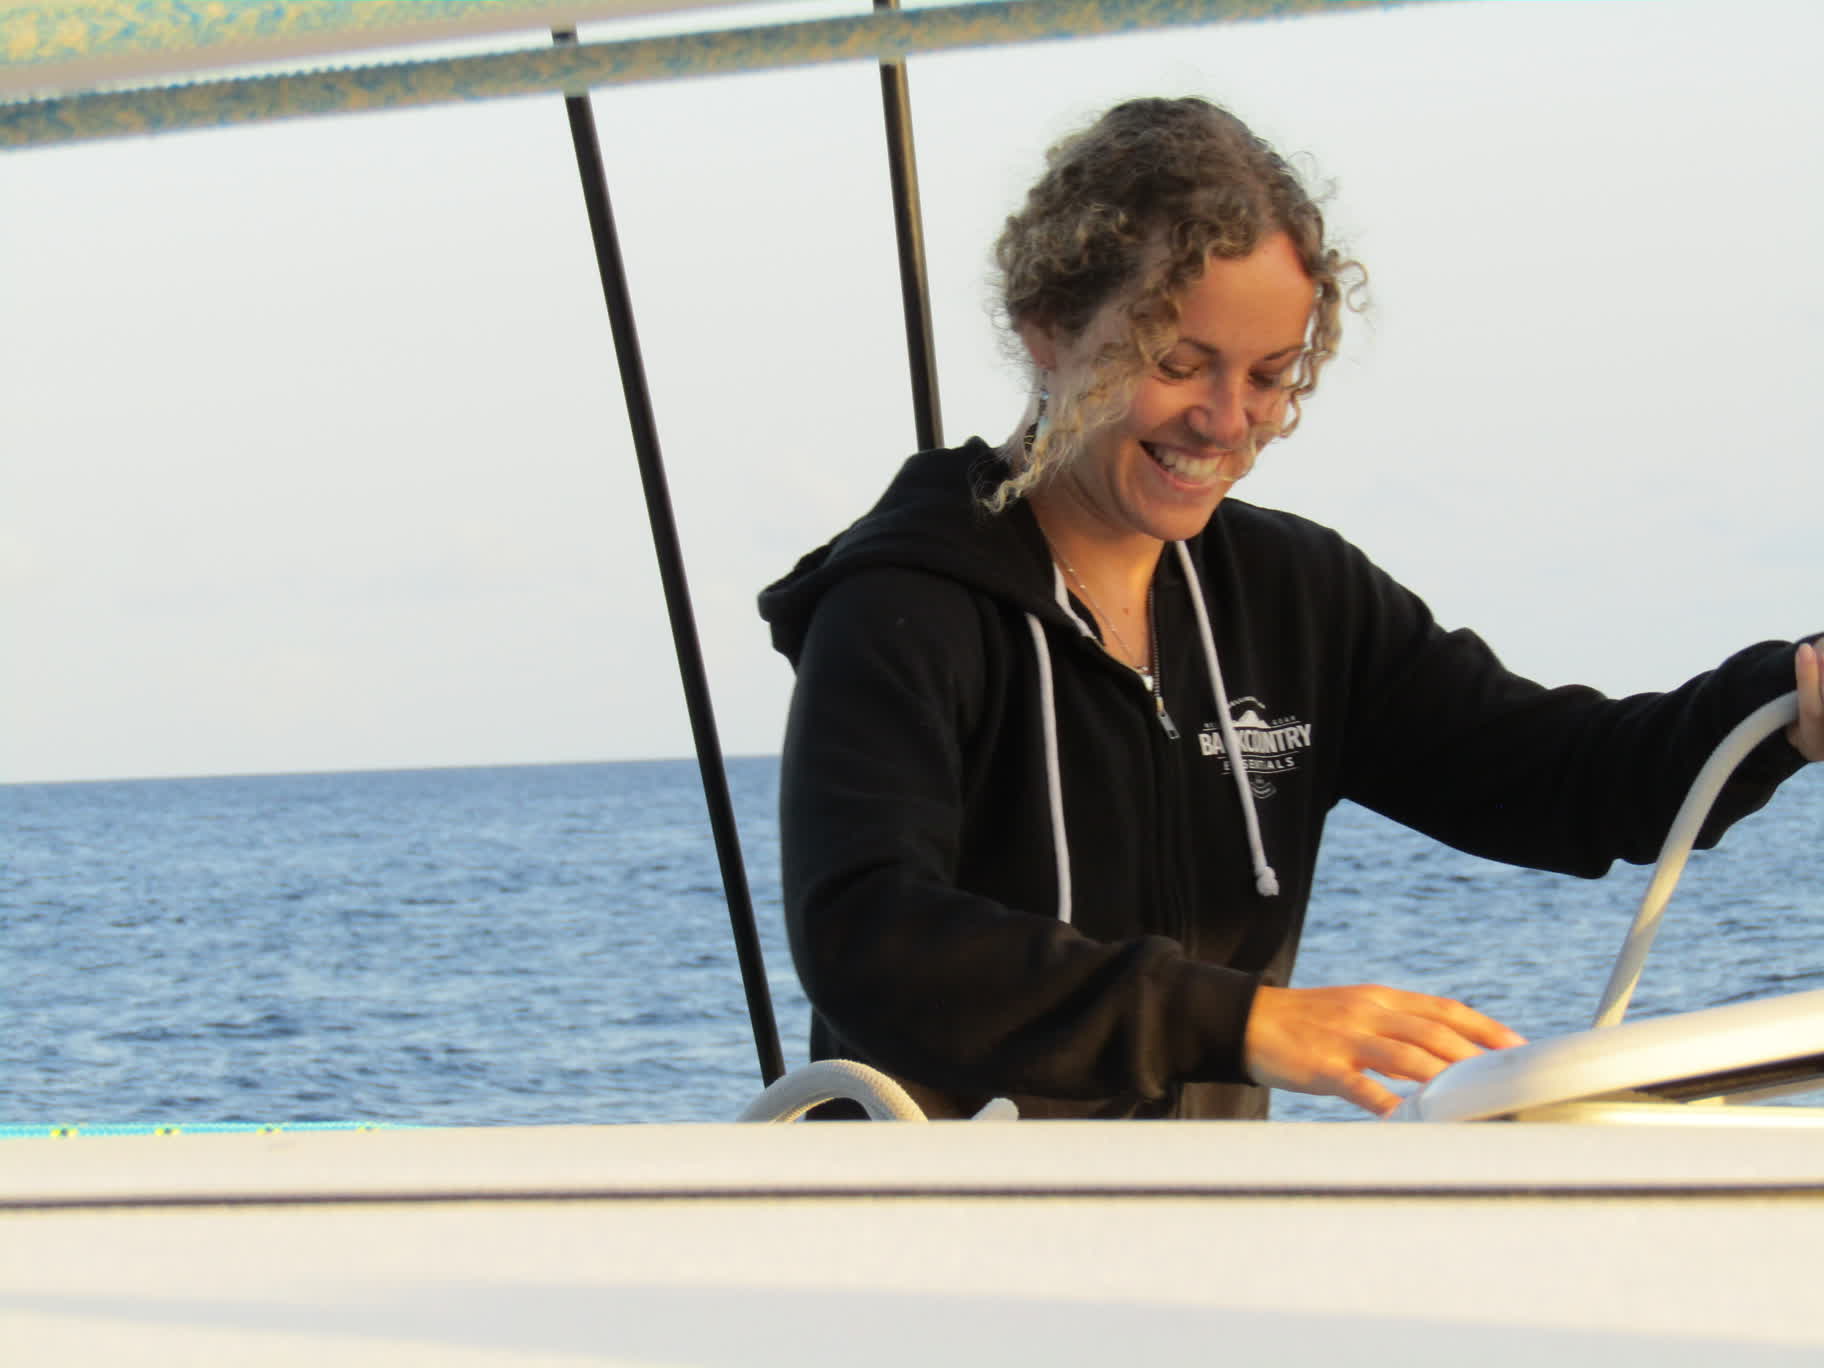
(62,47)
(883,35)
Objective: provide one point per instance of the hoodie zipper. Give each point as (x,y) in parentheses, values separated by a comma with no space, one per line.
(1154,681)
(1166,778)
(1148,679)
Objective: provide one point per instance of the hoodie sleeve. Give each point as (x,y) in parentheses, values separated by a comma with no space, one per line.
(1445,739)
(931,981)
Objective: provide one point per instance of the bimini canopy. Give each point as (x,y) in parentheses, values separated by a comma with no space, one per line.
(88,69)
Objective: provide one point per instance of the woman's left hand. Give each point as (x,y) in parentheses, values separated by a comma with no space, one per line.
(1807,734)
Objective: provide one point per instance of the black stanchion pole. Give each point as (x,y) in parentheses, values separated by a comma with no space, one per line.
(921,353)
(671,575)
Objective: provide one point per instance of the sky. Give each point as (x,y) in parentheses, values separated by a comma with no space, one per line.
(314,456)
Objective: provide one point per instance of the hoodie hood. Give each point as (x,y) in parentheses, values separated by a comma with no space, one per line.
(931,519)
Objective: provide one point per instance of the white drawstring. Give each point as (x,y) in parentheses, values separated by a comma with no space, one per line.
(1054,778)
(1265,880)
(1061,592)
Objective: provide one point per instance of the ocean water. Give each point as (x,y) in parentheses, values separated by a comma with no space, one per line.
(549,944)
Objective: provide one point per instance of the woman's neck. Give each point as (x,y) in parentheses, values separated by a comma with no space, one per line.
(1118,563)
(1111,574)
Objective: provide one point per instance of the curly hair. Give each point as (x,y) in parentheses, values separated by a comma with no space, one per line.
(1131,209)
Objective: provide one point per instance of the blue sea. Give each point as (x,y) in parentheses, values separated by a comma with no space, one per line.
(549,944)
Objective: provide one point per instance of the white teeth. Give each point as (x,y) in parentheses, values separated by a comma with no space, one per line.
(1197,469)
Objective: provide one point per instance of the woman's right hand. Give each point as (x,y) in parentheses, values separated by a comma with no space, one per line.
(1807,734)
(1325,1040)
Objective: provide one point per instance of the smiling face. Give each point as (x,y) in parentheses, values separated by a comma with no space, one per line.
(1194,421)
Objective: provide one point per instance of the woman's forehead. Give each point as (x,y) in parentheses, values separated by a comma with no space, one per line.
(1261,303)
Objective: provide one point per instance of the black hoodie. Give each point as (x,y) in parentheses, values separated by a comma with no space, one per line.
(919,861)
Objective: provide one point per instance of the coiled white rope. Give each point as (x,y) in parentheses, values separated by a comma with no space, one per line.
(1730,752)
(832,1080)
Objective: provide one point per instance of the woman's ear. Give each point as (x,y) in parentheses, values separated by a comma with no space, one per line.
(1040,346)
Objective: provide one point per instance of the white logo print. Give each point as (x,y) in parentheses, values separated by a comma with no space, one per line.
(1268,746)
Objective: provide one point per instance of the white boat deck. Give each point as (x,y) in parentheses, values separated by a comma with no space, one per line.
(1031,1242)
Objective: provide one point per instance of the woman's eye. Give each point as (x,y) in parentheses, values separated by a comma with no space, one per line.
(1172,370)
(1270,382)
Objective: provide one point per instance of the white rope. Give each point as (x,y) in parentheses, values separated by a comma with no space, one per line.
(846,1080)
(831,1080)
(1730,752)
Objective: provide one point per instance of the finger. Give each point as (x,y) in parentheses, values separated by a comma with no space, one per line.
(1464,1020)
(1434,1037)
(1364,1092)
(1396,1059)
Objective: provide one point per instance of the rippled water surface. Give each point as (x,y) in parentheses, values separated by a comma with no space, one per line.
(549,944)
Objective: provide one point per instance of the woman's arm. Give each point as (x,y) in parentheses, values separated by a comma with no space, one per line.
(1555,778)
(1444,738)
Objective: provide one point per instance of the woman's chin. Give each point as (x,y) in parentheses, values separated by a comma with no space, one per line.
(1180,509)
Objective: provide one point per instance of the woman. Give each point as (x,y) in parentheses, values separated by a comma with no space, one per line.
(1068,719)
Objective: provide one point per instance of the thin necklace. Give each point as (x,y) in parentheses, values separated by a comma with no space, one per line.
(1148,676)
(1129,652)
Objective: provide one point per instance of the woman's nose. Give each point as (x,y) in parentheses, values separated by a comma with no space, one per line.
(1222,419)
